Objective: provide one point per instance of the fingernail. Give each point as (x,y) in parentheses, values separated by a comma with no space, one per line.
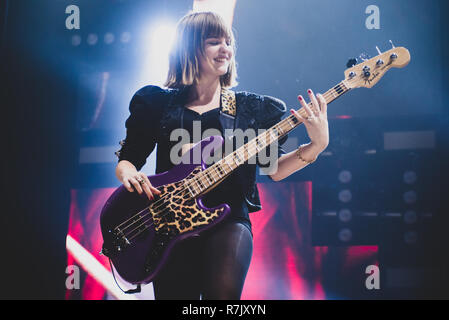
(299,98)
(309,91)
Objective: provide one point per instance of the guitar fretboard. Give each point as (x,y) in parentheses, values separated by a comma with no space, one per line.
(209,178)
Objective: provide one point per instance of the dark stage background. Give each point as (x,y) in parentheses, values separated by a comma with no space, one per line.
(377,195)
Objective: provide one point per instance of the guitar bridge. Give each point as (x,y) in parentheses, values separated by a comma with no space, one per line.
(121,236)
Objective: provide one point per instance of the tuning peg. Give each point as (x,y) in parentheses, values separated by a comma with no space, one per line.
(393,56)
(364,56)
(351,62)
(366,71)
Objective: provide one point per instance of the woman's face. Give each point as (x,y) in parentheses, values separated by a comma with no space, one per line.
(218,53)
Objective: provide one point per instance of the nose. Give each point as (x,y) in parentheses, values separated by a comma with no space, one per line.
(224,48)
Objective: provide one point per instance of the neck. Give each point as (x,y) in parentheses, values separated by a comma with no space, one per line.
(205,89)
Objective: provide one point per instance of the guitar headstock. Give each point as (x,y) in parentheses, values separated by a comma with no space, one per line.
(369,72)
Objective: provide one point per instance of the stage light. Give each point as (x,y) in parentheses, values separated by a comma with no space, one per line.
(345,176)
(76,40)
(409,197)
(410,237)
(162,39)
(345,215)
(125,37)
(369,214)
(345,235)
(92,39)
(393,214)
(92,266)
(156,45)
(223,8)
(410,217)
(410,177)
(345,195)
(109,38)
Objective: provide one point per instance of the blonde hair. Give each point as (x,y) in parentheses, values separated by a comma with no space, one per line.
(191,32)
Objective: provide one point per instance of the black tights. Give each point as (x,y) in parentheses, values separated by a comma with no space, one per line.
(213,265)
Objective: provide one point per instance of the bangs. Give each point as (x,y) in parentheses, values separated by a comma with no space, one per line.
(215,27)
(192,31)
(210,25)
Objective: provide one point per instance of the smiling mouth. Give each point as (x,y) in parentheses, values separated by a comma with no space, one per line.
(221,59)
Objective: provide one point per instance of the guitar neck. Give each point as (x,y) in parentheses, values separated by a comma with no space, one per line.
(216,173)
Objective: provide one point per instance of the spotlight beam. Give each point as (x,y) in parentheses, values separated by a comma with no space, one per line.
(223,8)
(92,266)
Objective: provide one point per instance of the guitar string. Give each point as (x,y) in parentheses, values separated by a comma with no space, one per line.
(328,94)
(214,176)
(160,212)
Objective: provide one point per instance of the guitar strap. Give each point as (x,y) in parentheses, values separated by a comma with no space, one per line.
(228,103)
(228,111)
(173,114)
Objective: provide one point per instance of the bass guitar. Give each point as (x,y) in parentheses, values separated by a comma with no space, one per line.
(139,234)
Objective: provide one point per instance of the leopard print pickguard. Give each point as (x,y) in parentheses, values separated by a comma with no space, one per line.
(180,213)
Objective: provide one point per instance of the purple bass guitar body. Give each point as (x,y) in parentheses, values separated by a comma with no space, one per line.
(139,234)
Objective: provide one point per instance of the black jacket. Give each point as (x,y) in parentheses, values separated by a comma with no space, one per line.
(155,110)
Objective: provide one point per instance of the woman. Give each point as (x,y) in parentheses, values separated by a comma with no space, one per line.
(214,264)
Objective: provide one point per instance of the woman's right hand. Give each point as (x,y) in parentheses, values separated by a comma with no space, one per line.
(132,179)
